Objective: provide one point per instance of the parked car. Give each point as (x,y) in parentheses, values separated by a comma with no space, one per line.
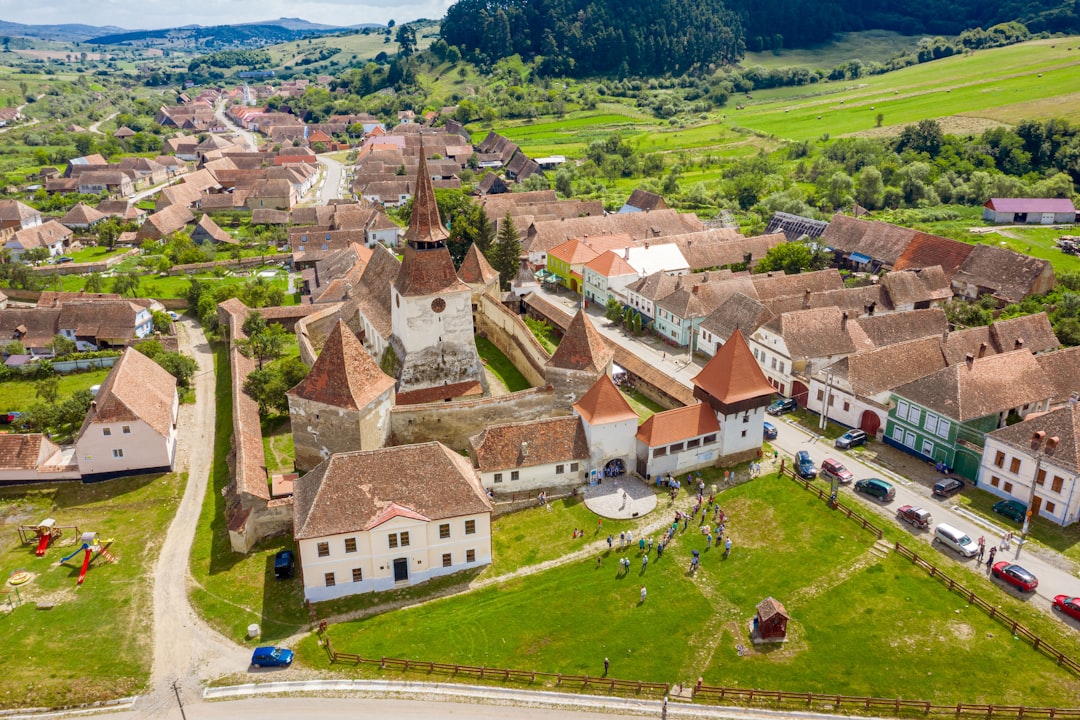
(781,406)
(272,657)
(850,439)
(878,488)
(770,430)
(948,486)
(1068,605)
(915,516)
(804,465)
(1015,575)
(62,259)
(173,316)
(1012,509)
(834,469)
(284,564)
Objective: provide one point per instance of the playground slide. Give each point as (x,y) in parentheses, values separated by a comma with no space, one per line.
(43,544)
(85,566)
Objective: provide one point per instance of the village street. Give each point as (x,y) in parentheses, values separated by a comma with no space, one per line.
(1057,574)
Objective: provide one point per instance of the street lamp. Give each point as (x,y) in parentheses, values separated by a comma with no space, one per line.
(1042,447)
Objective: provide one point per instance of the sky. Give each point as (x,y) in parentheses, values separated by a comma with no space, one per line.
(151,14)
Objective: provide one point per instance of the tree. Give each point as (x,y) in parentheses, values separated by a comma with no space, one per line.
(180,366)
(48,389)
(162,321)
(406,40)
(507,252)
(869,189)
(793,258)
(485,232)
(879,118)
(61,346)
(264,341)
(94,283)
(127,282)
(14,348)
(267,386)
(613,311)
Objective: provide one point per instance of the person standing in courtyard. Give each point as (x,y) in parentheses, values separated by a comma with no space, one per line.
(727,547)
(642,593)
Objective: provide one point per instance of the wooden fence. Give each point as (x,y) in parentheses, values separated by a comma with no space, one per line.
(834,703)
(613,685)
(841,507)
(1014,626)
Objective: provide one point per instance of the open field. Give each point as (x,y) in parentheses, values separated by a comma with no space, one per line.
(845,601)
(94,642)
(868,46)
(21,394)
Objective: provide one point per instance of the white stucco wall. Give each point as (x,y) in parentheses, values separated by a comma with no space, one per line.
(609,441)
(375,558)
(141,448)
(1017,485)
(535,477)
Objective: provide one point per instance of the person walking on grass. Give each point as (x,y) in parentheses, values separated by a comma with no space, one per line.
(643,593)
(727,547)
(607,666)
(644,562)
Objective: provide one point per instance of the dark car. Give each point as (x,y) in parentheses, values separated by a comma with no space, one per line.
(1068,605)
(850,439)
(272,657)
(804,465)
(781,406)
(915,516)
(948,486)
(877,488)
(770,430)
(1012,509)
(284,563)
(1015,576)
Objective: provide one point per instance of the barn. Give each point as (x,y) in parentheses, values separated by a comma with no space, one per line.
(1031,211)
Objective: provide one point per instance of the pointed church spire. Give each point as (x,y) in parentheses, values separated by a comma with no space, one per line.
(425,226)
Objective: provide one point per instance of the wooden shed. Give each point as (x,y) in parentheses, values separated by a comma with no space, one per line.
(771,619)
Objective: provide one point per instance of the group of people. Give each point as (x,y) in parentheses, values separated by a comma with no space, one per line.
(982,551)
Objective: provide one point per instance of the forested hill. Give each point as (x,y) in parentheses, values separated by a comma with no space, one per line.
(648,37)
(588,37)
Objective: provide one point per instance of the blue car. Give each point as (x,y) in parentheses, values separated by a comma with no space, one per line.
(804,465)
(770,431)
(272,657)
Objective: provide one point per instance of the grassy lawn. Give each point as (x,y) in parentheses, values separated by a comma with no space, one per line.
(278,444)
(21,394)
(500,366)
(95,642)
(643,406)
(170,286)
(868,46)
(544,333)
(95,254)
(845,601)
(233,590)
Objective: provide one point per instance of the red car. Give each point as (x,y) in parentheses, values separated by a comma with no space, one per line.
(1068,605)
(1016,576)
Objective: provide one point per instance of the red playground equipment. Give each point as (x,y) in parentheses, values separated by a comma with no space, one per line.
(92,548)
(44,534)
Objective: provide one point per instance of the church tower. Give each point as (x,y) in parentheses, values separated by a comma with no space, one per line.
(431,312)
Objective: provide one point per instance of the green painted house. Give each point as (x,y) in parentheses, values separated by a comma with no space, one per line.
(945,416)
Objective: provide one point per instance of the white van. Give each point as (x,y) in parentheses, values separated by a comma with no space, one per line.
(952,538)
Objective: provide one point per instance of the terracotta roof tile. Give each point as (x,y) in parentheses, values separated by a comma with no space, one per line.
(733,373)
(898,327)
(1030,332)
(603,403)
(582,347)
(344,374)
(815,333)
(475,269)
(24,452)
(440,393)
(348,491)
(1007,275)
(885,368)
(136,388)
(737,312)
(1063,423)
(879,240)
(683,423)
(1062,369)
(525,444)
(926,251)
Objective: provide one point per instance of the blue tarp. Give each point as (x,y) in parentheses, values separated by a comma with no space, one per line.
(860,258)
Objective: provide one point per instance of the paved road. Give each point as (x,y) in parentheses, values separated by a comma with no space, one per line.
(250,138)
(1056,574)
(333,175)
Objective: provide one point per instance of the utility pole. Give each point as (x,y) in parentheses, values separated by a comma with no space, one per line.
(1042,447)
(176,690)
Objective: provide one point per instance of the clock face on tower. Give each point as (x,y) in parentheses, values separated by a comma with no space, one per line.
(438,305)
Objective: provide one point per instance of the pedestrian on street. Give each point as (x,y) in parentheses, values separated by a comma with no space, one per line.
(607,665)
(990,560)
(979,556)
(629,537)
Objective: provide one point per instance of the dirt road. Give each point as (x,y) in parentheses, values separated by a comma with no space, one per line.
(186,650)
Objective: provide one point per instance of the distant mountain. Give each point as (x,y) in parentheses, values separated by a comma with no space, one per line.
(299,24)
(69,33)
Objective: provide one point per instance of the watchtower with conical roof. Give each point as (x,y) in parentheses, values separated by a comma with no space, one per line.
(432,332)
(581,358)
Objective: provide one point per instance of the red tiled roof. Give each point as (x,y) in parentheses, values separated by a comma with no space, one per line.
(525,444)
(344,374)
(683,423)
(733,374)
(610,264)
(582,347)
(475,268)
(603,404)
(137,388)
(439,393)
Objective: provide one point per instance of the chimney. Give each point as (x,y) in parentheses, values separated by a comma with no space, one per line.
(1051,444)
(626,253)
(843,321)
(870,310)
(970,359)
(646,246)
(524,449)
(93,406)
(1019,344)
(694,289)
(806,299)
(982,349)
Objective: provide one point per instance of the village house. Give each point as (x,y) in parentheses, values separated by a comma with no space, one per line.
(33,458)
(51,235)
(945,416)
(82,217)
(14,216)
(382,519)
(131,426)
(532,455)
